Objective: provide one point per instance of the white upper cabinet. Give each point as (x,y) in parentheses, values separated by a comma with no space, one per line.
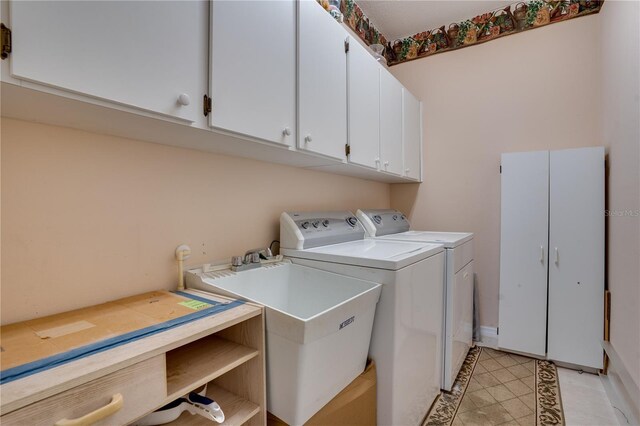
(411,135)
(391,156)
(150,55)
(283,80)
(253,68)
(322,82)
(364,106)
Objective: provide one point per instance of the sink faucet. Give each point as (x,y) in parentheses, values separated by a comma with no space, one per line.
(263,253)
(250,260)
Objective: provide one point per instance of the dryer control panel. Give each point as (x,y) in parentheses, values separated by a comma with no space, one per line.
(302,230)
(383,222)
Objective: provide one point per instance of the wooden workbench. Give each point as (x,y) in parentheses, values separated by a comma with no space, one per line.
(225,350)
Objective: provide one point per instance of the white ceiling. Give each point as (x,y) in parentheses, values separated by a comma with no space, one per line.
(402,18)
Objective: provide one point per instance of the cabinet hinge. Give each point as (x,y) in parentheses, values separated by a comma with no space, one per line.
(500,169)
(497,331)
(347,149)
(5,41)
(346,45)
(206,105)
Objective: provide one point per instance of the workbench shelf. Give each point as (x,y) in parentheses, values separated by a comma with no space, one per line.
(200,362)
(237,410)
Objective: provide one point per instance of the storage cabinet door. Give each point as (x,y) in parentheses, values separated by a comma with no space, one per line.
(391,155)
(412,135)
(364,106)
(322,82)
(576,264)
(144,54)
(523,252)
(253,78)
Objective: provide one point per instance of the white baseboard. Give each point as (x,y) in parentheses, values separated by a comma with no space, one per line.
(488,337)
(621,389)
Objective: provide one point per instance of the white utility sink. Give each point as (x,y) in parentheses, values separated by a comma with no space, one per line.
(318,328)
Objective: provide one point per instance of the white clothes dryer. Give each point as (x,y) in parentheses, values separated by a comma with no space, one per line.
(457,334)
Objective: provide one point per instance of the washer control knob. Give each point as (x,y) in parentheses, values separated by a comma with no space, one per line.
(352,221)
(377,219)
(304,225)
(316,223)
(325,223)
(395,217)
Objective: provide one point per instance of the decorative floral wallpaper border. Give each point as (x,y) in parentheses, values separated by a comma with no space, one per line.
(348,11)
(485,27)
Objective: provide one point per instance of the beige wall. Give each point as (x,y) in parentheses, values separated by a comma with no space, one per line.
(88,218)
(536,90)
(621,132)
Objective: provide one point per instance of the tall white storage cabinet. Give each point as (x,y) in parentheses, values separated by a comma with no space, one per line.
(524,218)
(253,84)
(576,256)
(552,255)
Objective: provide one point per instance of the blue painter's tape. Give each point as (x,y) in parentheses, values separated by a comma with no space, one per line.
(194,297)
(57,360)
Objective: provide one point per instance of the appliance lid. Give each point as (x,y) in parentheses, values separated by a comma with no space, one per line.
(373,253)
(447,239)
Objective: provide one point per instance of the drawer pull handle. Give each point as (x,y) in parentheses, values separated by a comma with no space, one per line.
(99,414)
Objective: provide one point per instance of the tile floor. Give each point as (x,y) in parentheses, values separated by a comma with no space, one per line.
(500,391)
(584,400)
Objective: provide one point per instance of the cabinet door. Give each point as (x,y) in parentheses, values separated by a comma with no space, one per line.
(144,54)
(252,79)
(524,223)
(391,156)
(364,106)
(322,82)
(412,135)
(576,264)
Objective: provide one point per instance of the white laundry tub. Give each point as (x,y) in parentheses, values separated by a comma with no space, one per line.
(318,327)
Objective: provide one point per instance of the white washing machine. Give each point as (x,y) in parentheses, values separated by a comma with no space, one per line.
(406,341)
(386,225)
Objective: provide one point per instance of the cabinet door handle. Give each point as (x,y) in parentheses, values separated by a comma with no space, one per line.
(557,256)
(541,254)
(286,131)
(184,99)
(307,138)
(94,416)
(386,164)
